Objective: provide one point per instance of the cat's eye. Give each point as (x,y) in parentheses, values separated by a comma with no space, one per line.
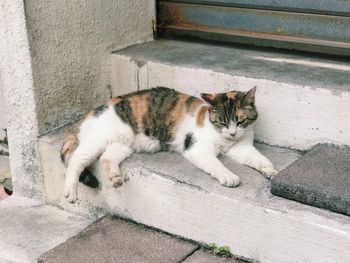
(241,122)
(223,124)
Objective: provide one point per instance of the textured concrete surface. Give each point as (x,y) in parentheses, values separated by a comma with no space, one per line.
(74,40)
(313,92)
(19,99)
(201,256)
(29,228)
(167,192)
(117,241)
(320,178)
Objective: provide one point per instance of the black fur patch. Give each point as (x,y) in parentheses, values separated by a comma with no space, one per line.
(189,141)
(98,111)
(88,179)
(189,102)
(156,121)
(124,111)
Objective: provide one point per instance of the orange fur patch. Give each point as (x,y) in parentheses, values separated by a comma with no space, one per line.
(106,165)
(231,94)
(240,114)
(69,145)
(89,115)
(201,116)
(138,105)
(114,101)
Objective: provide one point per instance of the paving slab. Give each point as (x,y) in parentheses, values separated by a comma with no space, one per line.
(202,256)
(118,241)
(29,228)
(320,178)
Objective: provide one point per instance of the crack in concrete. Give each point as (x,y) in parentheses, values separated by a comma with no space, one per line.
(193,186)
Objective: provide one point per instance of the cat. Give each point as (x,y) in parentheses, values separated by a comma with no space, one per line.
(162,119)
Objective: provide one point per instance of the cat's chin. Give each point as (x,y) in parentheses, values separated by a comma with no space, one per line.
(231,138)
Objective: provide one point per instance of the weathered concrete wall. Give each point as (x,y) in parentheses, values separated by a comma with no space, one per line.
(18,91)
(71,42)
(2,114)
(55,63)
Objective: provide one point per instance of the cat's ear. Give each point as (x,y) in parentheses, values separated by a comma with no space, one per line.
(210,98)
(250,97)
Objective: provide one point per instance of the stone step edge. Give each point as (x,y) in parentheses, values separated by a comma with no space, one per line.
(320,115)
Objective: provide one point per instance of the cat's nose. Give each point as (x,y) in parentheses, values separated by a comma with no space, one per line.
(233,134)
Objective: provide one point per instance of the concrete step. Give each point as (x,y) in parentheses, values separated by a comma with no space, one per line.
(302,100)
(166,192)
(320,178)
(30,228)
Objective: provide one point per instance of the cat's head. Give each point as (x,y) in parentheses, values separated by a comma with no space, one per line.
(232,112)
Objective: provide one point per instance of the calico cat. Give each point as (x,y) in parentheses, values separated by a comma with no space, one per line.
(162,119)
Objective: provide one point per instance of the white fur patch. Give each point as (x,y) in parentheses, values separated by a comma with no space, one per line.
(143,143)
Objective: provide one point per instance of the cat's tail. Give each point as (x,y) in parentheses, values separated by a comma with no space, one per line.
(68,147)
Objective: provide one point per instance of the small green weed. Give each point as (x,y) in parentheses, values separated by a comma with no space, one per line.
(223,251)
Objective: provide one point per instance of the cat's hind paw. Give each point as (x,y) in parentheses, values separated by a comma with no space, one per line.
(269,171)
(228,179)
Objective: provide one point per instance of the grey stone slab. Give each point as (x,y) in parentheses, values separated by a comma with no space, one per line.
(248,62)
(29,228)
(202,256)
(115,240)
(320,178)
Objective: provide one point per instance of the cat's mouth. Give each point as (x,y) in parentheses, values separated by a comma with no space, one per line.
(231,137)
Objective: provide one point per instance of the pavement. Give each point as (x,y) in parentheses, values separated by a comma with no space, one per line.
(320,178)
(115,240)
(30,228)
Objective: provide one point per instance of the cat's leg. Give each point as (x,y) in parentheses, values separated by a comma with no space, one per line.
(115,153)
(248,155)
(209,163)
(85,154)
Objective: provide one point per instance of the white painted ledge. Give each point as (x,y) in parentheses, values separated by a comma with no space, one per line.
(167,192)
(302,101)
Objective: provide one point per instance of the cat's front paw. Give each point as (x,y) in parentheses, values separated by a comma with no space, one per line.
(116,180)
(228,179)
(71,193)
(268,171)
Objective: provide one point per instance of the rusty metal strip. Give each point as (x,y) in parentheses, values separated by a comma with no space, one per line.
(326,7)
(268,28)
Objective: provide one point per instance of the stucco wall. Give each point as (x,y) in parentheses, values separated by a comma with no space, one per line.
(18,91)
(71,42)
(2,114)
(55,65)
